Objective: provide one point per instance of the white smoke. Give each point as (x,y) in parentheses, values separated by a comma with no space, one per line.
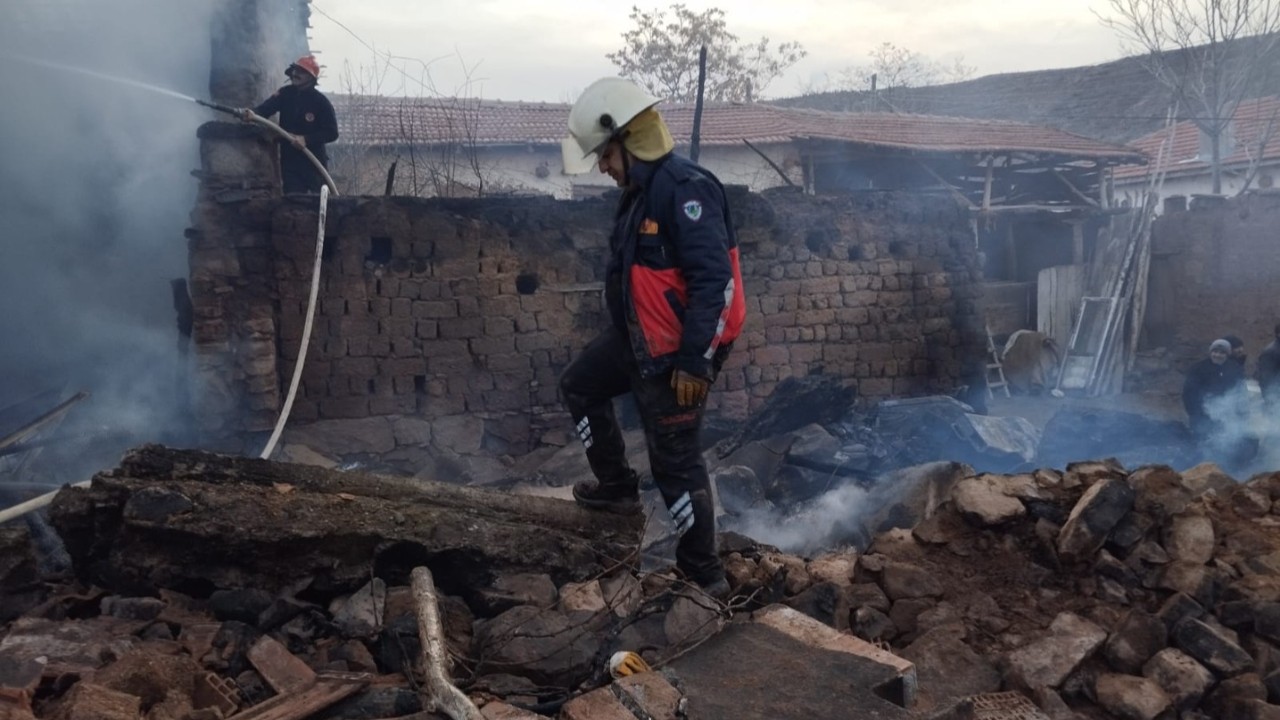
(834,517)
(97,192)
(1246,432)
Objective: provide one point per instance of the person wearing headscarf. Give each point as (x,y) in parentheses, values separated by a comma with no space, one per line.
(1238,355)
(1208,381)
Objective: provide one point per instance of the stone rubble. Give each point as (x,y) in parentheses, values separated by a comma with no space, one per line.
(1094,592)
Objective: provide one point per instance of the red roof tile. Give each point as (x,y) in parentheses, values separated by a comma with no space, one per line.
(366,120)
(1254,120)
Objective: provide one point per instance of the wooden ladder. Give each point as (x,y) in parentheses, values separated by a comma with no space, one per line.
(997,366)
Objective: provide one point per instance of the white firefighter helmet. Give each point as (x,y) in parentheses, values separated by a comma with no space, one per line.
(600,113)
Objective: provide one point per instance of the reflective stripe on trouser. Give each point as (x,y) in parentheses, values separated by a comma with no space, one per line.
(588,386)
(605,369)
(675,458)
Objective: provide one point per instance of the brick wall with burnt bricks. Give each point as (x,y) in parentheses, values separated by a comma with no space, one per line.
(445,308)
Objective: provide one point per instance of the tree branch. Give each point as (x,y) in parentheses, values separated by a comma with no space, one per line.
(440,693)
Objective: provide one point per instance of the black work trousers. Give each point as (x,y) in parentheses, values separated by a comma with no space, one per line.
(298,176)
(606,369)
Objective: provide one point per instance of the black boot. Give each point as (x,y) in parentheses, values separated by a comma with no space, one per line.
(619,497)
(715,585)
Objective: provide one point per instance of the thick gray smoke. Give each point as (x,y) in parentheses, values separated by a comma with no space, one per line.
(95,192)
(1246,433)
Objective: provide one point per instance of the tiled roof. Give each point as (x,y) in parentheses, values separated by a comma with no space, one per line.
(1254,120)
(368,120)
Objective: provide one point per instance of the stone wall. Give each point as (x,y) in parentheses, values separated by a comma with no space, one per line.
(470,308)
(1213,273)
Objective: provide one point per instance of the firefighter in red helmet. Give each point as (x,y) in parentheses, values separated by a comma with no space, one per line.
(307,115)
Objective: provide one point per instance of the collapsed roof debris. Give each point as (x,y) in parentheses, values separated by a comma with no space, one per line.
(1092,592)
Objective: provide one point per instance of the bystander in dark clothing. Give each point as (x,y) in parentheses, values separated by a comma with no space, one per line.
(1216,402)
(308,115)
(1269,370)
(1207,381)
(1238,355)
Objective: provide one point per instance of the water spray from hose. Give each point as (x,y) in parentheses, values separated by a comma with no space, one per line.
(11,513)
(102,76)
(236,112)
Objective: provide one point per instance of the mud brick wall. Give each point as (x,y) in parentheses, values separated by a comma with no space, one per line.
(448,308)
(234,333)
(1213,273)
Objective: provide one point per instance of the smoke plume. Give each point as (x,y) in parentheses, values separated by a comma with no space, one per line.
(97,188)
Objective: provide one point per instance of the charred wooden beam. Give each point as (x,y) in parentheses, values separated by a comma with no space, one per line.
(45,420)
(1074,190)
(198,521)
(955,191)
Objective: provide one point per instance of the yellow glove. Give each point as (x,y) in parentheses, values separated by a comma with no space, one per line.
(690,389)
(625,662)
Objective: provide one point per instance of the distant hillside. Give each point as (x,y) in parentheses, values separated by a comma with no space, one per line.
(1116,101)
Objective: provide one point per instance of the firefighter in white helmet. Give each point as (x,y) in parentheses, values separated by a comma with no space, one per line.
(673,290)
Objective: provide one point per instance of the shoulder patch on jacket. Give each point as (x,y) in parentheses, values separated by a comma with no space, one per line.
(692,210)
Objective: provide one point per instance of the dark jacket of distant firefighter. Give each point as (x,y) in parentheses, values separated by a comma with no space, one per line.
(1206,381)
(673,281)
(306,112)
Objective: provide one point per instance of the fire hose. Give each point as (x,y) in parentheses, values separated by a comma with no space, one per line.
(278,131)
(306,328)
(329,187)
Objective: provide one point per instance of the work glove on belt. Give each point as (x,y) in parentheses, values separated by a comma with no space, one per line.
(690,389)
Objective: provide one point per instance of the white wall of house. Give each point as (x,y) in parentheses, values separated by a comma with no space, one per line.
(1201,183)
(528,170)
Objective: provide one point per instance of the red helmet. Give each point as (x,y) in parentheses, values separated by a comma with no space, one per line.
(307,63)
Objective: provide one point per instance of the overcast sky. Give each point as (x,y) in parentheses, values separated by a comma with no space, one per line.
(550,49)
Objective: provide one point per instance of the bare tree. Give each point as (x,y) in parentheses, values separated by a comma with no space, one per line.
(1255,148)
(661,55)
(354,166)
(436,133)
(894,67)
(1205,51)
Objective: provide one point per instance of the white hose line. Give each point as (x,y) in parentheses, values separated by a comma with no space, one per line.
(306,330)
(36,503)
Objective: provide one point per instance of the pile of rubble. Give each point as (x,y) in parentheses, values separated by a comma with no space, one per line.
(209,587)
(1098,592)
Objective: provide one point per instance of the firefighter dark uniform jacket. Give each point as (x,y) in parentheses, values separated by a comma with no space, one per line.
(674,285)
(306,112)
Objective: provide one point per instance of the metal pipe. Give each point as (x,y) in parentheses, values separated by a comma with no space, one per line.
(695,142)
